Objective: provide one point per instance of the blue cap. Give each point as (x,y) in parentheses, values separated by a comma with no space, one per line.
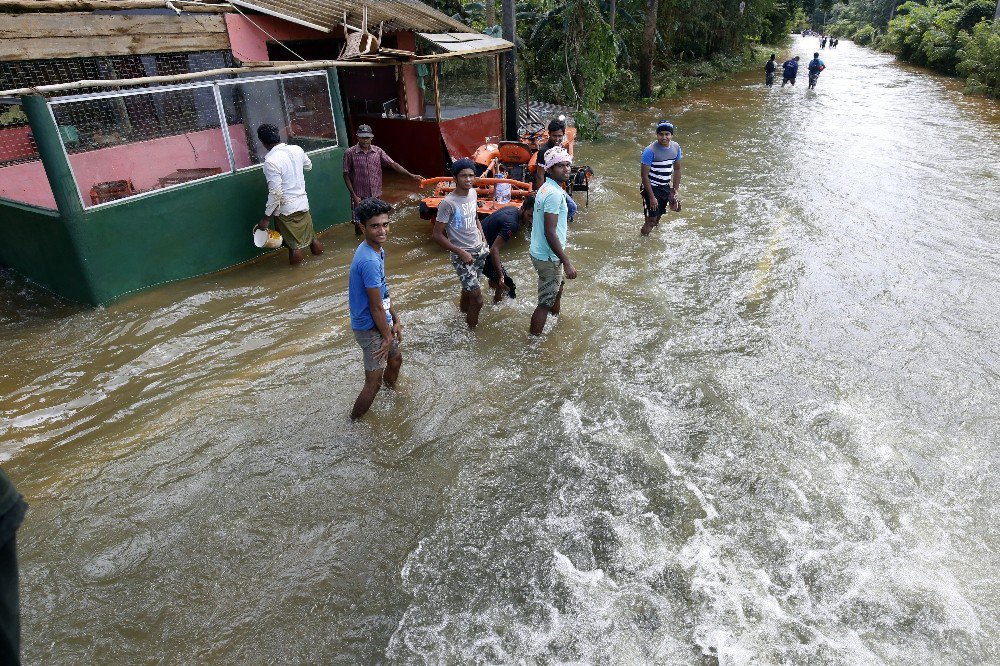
(665,125)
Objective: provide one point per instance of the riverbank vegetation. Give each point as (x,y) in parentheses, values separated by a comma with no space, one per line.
(583,52)
(959,37)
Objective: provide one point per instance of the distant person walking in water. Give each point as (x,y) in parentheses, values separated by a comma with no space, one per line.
(374,321)
(769,71)
(660,176)
(815,67)
(363,164)
(457,230)
(548,238)
(790,69)
(284,168)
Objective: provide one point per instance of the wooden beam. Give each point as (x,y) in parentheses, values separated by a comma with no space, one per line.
(81,47)
(76,24)
(33,6)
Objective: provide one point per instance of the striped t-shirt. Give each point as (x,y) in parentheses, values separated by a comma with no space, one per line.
(660,161)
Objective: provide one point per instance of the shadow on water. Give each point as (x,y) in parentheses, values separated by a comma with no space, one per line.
(766,434)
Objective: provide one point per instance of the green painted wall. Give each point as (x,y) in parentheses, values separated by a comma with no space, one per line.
(97,255)
(195,229)
(191,230)
(37,245)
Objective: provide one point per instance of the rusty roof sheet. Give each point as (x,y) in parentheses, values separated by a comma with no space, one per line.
(409,15)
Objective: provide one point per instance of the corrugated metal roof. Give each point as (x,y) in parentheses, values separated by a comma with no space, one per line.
(408,15)
(458,42)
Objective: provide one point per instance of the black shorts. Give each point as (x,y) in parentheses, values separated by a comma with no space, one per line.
(662,194)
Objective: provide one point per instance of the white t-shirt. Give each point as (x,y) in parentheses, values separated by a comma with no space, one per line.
(286,183)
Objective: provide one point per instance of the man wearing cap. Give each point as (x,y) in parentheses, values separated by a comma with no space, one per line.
(548,238)
(363,164)
(660,176)
(284,168)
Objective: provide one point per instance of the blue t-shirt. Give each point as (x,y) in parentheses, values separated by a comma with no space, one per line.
(791,67)
(660,160)
(815,65)
(367,271)
(550,198)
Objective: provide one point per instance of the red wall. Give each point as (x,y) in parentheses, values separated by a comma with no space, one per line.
(15,144)
(416,144)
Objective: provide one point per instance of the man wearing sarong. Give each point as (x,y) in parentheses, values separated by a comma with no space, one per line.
(284,168)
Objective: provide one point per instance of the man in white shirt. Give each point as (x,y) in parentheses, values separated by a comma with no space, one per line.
(284,168)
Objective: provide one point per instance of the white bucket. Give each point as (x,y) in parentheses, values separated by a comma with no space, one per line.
(267,238)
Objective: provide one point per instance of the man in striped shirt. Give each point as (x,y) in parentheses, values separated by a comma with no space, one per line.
(363,164)
(660,176)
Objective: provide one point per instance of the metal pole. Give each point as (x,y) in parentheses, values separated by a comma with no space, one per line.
(437,94)
(337,105)
(510,72)
(224,126)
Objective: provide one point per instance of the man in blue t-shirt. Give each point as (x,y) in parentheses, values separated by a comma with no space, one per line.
(790,69)
(499,228)
(373,319)
(548,238)
(815,67)
(660,176)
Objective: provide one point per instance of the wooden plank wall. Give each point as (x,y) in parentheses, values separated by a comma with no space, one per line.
(79,35)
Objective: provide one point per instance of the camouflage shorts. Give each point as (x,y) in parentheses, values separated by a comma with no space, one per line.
(469,274)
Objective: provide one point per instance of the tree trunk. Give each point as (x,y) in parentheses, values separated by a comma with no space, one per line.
(613,12)
(510,71)
(648,49)
(996,14)
(491,13)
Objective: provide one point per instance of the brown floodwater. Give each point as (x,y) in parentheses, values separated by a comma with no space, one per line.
(766,434)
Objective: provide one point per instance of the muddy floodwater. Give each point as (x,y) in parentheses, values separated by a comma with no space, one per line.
(767,434)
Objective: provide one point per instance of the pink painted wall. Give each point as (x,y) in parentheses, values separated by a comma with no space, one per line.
(249,44)
(143,163)
(26,183)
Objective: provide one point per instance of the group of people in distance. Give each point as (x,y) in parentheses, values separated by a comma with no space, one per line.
(473,246)
(790,69)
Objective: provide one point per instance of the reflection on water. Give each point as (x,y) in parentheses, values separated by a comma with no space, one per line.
(766,434)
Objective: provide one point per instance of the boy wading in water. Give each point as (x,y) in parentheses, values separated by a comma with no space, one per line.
(548,237)
(374,321)
(660,176)
(457,229)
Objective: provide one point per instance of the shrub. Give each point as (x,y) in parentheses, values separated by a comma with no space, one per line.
(865,35)
(979,58)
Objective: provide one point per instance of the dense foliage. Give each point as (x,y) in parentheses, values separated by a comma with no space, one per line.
(958,37)
(582,52)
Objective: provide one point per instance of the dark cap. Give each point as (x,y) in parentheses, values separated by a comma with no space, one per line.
(365,131)
(665,125)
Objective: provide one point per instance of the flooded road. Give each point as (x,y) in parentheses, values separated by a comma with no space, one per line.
(766,434)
